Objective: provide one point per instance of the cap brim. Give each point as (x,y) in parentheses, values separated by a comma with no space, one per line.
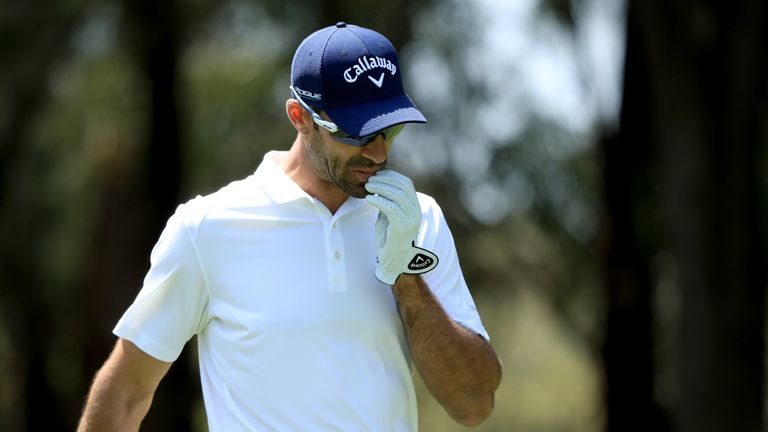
(367,118)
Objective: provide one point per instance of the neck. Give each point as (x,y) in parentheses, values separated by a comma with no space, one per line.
(297,167)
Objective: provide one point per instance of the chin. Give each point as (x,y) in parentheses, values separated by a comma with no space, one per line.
(358,191)
(352,187)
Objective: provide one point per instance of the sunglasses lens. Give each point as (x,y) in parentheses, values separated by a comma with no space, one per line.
(389,134)
(394,131)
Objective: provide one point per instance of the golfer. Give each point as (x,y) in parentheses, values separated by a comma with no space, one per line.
(315,285)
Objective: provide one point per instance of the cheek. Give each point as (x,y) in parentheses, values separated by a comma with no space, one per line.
(339,157)
(332,164)
(317,156)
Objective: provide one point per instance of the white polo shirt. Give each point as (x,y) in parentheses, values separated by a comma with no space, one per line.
(295,333)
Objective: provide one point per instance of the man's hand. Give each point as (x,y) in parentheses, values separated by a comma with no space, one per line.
(397,227)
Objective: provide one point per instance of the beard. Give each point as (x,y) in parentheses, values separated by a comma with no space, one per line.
(332,169)
(346,180)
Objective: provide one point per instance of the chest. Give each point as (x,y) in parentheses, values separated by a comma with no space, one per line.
(299,277)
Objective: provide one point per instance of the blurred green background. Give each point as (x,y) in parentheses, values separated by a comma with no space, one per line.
(602,165)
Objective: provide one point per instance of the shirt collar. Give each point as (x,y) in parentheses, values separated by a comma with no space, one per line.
(278,186)
(282,189)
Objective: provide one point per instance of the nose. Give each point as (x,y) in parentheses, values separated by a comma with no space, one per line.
(377,150)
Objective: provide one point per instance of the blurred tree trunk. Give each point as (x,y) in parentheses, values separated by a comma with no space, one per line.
(628,346)
(35,37)
(156,35)
(706,65)
(140,193)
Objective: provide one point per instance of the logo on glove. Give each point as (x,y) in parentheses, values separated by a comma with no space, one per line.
(420,262)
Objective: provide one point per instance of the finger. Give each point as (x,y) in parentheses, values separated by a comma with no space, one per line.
(407,200)
(394,179)
(391,174)
(382,203)
(381,229)
(387,207)
(406,203)
(386,190)
(399,182)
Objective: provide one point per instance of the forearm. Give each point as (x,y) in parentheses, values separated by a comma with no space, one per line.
(458,366)
(122,390)
(110,408)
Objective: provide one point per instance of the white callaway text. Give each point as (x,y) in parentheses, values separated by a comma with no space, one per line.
(365,64)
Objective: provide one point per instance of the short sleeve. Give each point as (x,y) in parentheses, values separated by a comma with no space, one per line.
(171,306)
(446,280)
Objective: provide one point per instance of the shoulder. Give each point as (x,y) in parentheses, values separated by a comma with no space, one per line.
(433,223)
(430,209)
(234,197)
(426,201)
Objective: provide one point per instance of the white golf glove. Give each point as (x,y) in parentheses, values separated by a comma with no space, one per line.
(397,227)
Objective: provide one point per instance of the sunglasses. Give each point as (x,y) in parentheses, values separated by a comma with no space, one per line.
(339,135)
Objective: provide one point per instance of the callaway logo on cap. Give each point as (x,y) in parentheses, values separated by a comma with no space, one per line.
(353,74)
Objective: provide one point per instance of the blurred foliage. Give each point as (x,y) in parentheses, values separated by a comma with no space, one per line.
(519,189)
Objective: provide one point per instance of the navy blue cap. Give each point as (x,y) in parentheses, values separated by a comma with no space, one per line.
(353,74)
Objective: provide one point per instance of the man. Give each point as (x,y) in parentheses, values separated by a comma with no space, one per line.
(314,284)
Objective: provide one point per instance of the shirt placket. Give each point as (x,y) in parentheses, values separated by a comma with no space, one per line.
(335,258)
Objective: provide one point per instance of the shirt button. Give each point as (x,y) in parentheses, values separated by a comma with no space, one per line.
(337,255)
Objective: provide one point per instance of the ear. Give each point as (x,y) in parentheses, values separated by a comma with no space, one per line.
(298,116)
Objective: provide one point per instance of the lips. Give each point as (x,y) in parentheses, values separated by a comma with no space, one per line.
(365,173)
